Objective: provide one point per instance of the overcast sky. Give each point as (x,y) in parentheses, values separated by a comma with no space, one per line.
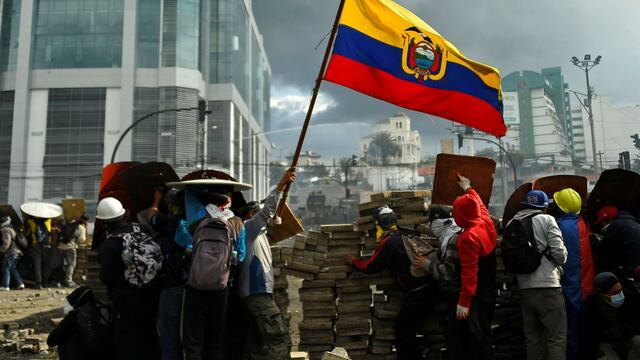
(508,34)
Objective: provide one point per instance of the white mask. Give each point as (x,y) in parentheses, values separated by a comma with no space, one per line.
(67,307)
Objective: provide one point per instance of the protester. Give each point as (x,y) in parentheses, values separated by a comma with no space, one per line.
(579,271)
(447,272)
(268,333)
(85,332)
(205,301)
(10,251)
(38,233)
(610,322)
(620,243)
(134,305)
(543,309)
(73,233)
(421,291)
(476,250)
(174,268)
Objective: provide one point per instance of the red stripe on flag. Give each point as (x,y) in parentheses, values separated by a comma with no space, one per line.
(452,105)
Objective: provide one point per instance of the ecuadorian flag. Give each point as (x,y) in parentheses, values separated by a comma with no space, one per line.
(385,51)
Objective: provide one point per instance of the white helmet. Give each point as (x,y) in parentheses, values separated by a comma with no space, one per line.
(109,209)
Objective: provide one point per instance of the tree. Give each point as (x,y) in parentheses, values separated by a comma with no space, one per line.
(382,147)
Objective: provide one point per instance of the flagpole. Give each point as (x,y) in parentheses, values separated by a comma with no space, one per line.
(314,96)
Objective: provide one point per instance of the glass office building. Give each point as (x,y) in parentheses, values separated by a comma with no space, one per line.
(74,74)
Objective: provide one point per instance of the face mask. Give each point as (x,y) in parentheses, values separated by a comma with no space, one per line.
(617,300)
(67,307)
(379,232)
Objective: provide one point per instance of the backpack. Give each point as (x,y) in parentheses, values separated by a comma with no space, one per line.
(519,251)
(212,257)
(94,330)
(141,255)
(5,241)
(416,246)
(69,232)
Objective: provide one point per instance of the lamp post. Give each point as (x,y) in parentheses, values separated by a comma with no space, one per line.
(201,116)
(351,161)
(585,65)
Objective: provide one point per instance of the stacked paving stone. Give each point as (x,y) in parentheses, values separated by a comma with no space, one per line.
(345,308)
(93,277)
(280,256)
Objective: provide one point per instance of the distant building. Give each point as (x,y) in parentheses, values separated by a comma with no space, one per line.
(578,139)
(613,127)
(544,115)
(75,74)
(307,158)
(399,126)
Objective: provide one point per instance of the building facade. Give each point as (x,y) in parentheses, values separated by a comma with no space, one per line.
(613,127)
(543,125)
(408,141)
(75,74)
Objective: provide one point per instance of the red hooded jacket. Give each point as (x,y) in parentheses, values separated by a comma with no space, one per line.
(477,240)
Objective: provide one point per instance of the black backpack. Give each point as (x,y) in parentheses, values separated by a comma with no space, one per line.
(94,329)
(69,231)
(519,252)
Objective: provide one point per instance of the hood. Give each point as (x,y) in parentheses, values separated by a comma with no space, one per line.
(466,210)
(526,212)
(80,296)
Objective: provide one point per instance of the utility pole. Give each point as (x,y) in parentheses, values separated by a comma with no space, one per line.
(587,64)
(351,161)
(600,153)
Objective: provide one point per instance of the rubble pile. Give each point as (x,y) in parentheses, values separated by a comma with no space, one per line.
(22,340)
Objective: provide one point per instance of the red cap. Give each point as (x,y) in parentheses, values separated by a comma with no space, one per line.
(606,213)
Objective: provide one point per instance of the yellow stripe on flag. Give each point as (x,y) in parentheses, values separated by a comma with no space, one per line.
(385,21)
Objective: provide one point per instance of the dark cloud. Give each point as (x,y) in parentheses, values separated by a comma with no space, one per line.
(510,35)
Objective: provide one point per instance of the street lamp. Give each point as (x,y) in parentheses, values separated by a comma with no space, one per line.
(353,161)
(201,116)
(585,65)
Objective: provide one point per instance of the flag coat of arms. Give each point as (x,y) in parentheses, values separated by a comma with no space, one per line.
(385,51)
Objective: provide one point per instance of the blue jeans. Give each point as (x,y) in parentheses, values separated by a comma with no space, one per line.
(169,312)
(9,271)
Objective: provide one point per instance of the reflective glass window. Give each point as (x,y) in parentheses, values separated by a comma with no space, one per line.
(77,34)
(9,35)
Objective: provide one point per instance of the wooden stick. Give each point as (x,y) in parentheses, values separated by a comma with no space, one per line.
(314,96)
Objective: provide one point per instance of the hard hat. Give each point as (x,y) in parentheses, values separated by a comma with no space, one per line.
(606,213)
(568,200)
(537,199)
(109,209)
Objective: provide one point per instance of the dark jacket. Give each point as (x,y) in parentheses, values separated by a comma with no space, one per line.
(390,253)
(67,335)
(602,323)
(621,244)
(173,255)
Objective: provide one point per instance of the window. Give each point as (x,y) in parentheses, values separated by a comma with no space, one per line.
(6,128)
(76,34)
(9,35)
(74,143)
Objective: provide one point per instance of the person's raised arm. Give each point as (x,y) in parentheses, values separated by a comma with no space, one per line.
(271,203)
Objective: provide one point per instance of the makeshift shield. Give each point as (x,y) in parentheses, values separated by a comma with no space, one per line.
(477,169)
(617,187)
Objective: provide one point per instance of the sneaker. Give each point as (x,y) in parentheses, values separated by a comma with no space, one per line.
(37,287)
(70,284)
(20,287)
(4,289)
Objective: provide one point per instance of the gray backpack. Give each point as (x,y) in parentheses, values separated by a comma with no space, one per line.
(212,254)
